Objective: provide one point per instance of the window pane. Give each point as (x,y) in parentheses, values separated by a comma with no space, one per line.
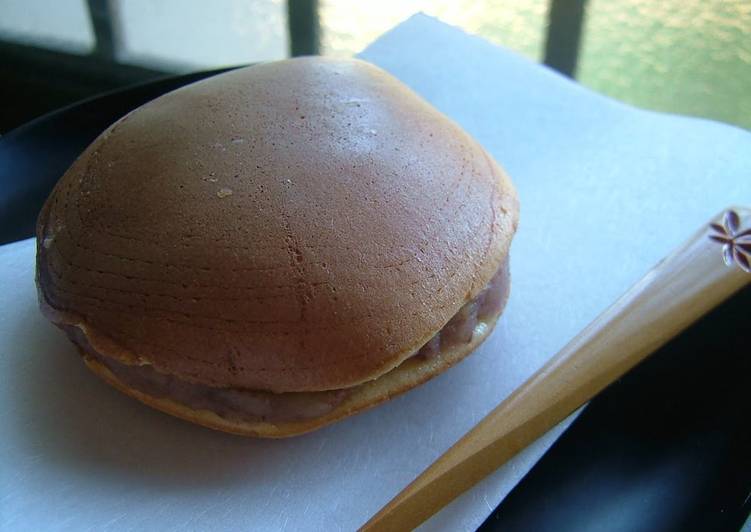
(189,34)
(63,24)
(348,26)
(689,57)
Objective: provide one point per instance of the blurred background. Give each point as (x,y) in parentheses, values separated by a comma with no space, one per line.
(683,56)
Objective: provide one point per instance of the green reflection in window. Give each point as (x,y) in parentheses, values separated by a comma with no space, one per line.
(683,56)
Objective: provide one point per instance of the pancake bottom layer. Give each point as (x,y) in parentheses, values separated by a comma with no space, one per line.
(275,415)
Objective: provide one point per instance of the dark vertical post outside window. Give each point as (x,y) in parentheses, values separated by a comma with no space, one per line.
(103,19)
(565,21)
(304,27)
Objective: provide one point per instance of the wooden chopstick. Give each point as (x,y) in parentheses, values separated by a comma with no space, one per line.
(701,274)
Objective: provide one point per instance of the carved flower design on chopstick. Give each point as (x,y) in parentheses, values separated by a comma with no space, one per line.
(736,242)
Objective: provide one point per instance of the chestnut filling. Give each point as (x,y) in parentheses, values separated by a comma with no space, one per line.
(239,404)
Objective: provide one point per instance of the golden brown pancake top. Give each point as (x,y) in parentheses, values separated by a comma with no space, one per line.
(294,226)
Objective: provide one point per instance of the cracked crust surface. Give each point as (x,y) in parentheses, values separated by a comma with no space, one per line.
(306,226)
